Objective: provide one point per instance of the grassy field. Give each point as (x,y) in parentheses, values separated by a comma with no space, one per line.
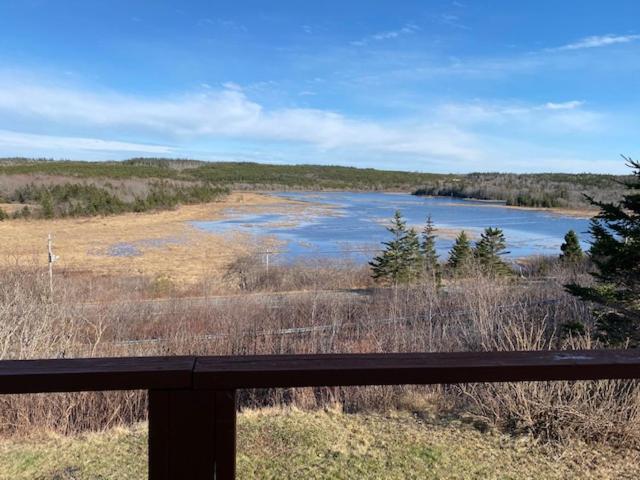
(276,444)
(164,243)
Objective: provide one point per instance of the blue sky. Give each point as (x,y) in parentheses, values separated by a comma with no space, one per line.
(443,86)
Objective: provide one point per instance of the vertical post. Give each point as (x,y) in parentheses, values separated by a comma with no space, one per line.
(267,260)
(50,251)
(182,434)
(225,435)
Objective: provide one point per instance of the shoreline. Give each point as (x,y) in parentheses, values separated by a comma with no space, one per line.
(569,212)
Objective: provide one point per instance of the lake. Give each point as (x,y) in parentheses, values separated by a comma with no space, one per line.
(354,226)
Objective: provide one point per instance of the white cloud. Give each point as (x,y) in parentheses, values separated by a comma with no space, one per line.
(407,29)
(598,41)
(232,86)
(563,105)
(556,118)
(18,140)
(228,124)
(225,114)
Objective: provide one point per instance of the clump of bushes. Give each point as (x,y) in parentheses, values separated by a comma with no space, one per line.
(85,200)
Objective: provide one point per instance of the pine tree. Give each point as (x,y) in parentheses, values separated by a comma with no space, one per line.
(431,264)
(412,256)
(46,202)
(461,254)
(571,250)
(488,250)
(615,252)
(401,259)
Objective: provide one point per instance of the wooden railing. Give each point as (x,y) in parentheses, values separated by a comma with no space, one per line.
(192,406)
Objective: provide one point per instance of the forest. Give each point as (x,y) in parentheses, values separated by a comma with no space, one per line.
(46,188)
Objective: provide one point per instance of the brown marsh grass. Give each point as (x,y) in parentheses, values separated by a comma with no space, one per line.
(341,311)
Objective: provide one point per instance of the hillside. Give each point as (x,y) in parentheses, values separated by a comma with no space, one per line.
(46,189)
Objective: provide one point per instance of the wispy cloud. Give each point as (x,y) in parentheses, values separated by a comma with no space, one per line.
(570,105)
(407,29)
(551,118)
(20,140)
(226,123)
(222,23)
(230,114)
(451,20)
(596,41)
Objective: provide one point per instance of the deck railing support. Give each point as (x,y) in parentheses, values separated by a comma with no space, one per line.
(192,434)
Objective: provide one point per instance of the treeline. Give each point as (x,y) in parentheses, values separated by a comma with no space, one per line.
(79,200)
(548,190)
(543,190)
(233,174)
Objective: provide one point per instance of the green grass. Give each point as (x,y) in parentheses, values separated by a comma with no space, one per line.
(273,444)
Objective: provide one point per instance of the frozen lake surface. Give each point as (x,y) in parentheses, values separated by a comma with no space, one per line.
(355,225)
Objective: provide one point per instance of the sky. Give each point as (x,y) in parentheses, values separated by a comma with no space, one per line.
(433,86)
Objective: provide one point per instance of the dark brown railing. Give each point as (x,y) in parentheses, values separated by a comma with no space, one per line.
(192,406)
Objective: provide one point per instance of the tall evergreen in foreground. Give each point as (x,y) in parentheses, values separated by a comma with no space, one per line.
(461,254)
(489,248)
(401,259)
(430,262)
(615,251)
(571,250)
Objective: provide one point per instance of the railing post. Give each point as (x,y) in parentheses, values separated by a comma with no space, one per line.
(182,434)
(225,425)
(192,434)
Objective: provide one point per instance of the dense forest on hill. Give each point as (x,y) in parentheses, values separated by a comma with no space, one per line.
(546,190)
(78,188)
(232,174)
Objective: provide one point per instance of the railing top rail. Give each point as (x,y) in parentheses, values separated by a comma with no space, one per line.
(93,374)
(235,372)
(413,368)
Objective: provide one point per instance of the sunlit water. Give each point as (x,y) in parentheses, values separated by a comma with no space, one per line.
(355,227)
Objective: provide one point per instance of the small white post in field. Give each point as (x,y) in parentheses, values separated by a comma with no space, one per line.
(52,258)
(266,259)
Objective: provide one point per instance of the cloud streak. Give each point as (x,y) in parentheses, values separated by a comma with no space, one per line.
(407,29)
(596,41)
(21,141)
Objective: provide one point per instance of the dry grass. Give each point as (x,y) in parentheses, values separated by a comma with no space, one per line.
(476,314)
(169,246)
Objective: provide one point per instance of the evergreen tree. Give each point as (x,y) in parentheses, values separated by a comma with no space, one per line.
(46,202)
(431,265)
(615,251)
(3,215)
(488,250)
(461,254)
(401,259)
(412,256)
(571,250)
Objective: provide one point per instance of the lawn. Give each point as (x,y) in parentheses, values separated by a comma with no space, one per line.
(277,444)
